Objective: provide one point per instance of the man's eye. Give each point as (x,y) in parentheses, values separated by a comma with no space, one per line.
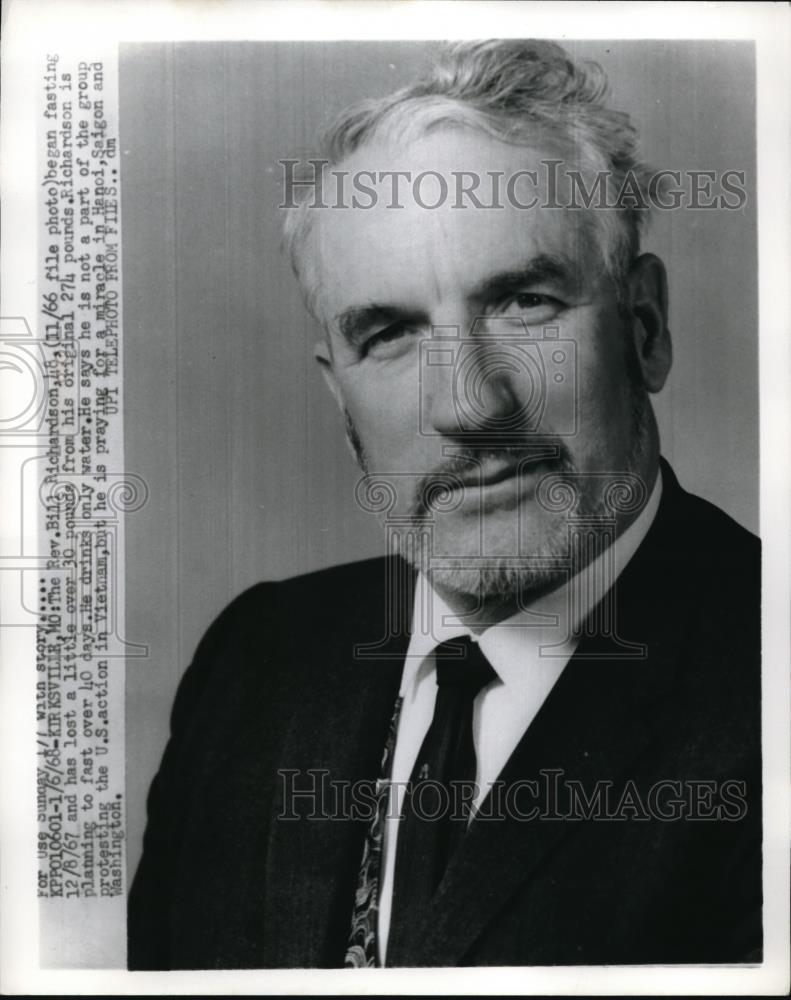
(527,300)
(536,306)
(531,307)
(388,342)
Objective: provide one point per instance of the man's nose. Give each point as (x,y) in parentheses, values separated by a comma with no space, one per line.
(476,390)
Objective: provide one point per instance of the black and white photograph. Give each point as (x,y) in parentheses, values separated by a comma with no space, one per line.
(405,447)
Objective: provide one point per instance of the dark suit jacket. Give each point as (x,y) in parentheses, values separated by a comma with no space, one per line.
(275,684)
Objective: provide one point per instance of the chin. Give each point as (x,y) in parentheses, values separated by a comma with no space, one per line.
(505,583)
(481,558)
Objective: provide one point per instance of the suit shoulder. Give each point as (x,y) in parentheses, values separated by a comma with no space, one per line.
(258,634)
(724,524)
(336,595)
(269,605)
(344,574)
(722,562)
(713,532)
(265,597)
(720,590)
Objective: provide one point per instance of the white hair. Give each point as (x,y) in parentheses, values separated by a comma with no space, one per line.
(505,88)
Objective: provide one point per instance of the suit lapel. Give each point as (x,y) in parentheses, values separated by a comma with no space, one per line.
(588,731)
(335,741)
(600,716)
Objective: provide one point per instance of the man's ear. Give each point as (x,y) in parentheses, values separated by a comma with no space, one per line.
(647,287)
(323,355)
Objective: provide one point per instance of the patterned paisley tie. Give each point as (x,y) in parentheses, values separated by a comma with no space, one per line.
(361,949)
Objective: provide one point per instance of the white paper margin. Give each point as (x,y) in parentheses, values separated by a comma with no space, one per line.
(29,26)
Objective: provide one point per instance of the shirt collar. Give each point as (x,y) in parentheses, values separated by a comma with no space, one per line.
(545,622)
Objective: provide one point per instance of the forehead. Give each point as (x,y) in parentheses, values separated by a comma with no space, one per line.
(416,255)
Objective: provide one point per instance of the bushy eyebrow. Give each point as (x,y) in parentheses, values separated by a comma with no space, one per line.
(541,269)
(356,321)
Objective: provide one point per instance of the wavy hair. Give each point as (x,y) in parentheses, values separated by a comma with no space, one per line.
(508,89)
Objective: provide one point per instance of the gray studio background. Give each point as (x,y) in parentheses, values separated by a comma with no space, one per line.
(225,414)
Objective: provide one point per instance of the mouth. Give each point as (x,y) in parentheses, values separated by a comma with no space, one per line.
(500,483)
(493,473)
(487,479)
(495,470)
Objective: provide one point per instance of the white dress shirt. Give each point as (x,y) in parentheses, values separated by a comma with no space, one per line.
(528,652)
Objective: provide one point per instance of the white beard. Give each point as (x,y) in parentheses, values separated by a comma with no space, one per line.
(512,570)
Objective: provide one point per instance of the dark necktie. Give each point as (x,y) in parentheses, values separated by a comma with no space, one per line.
(438,798)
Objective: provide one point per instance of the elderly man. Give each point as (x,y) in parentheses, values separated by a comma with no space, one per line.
(530,734)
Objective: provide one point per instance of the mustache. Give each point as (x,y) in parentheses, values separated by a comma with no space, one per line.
(463,467)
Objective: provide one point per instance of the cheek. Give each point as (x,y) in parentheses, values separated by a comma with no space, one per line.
(604,388)
(386,415)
